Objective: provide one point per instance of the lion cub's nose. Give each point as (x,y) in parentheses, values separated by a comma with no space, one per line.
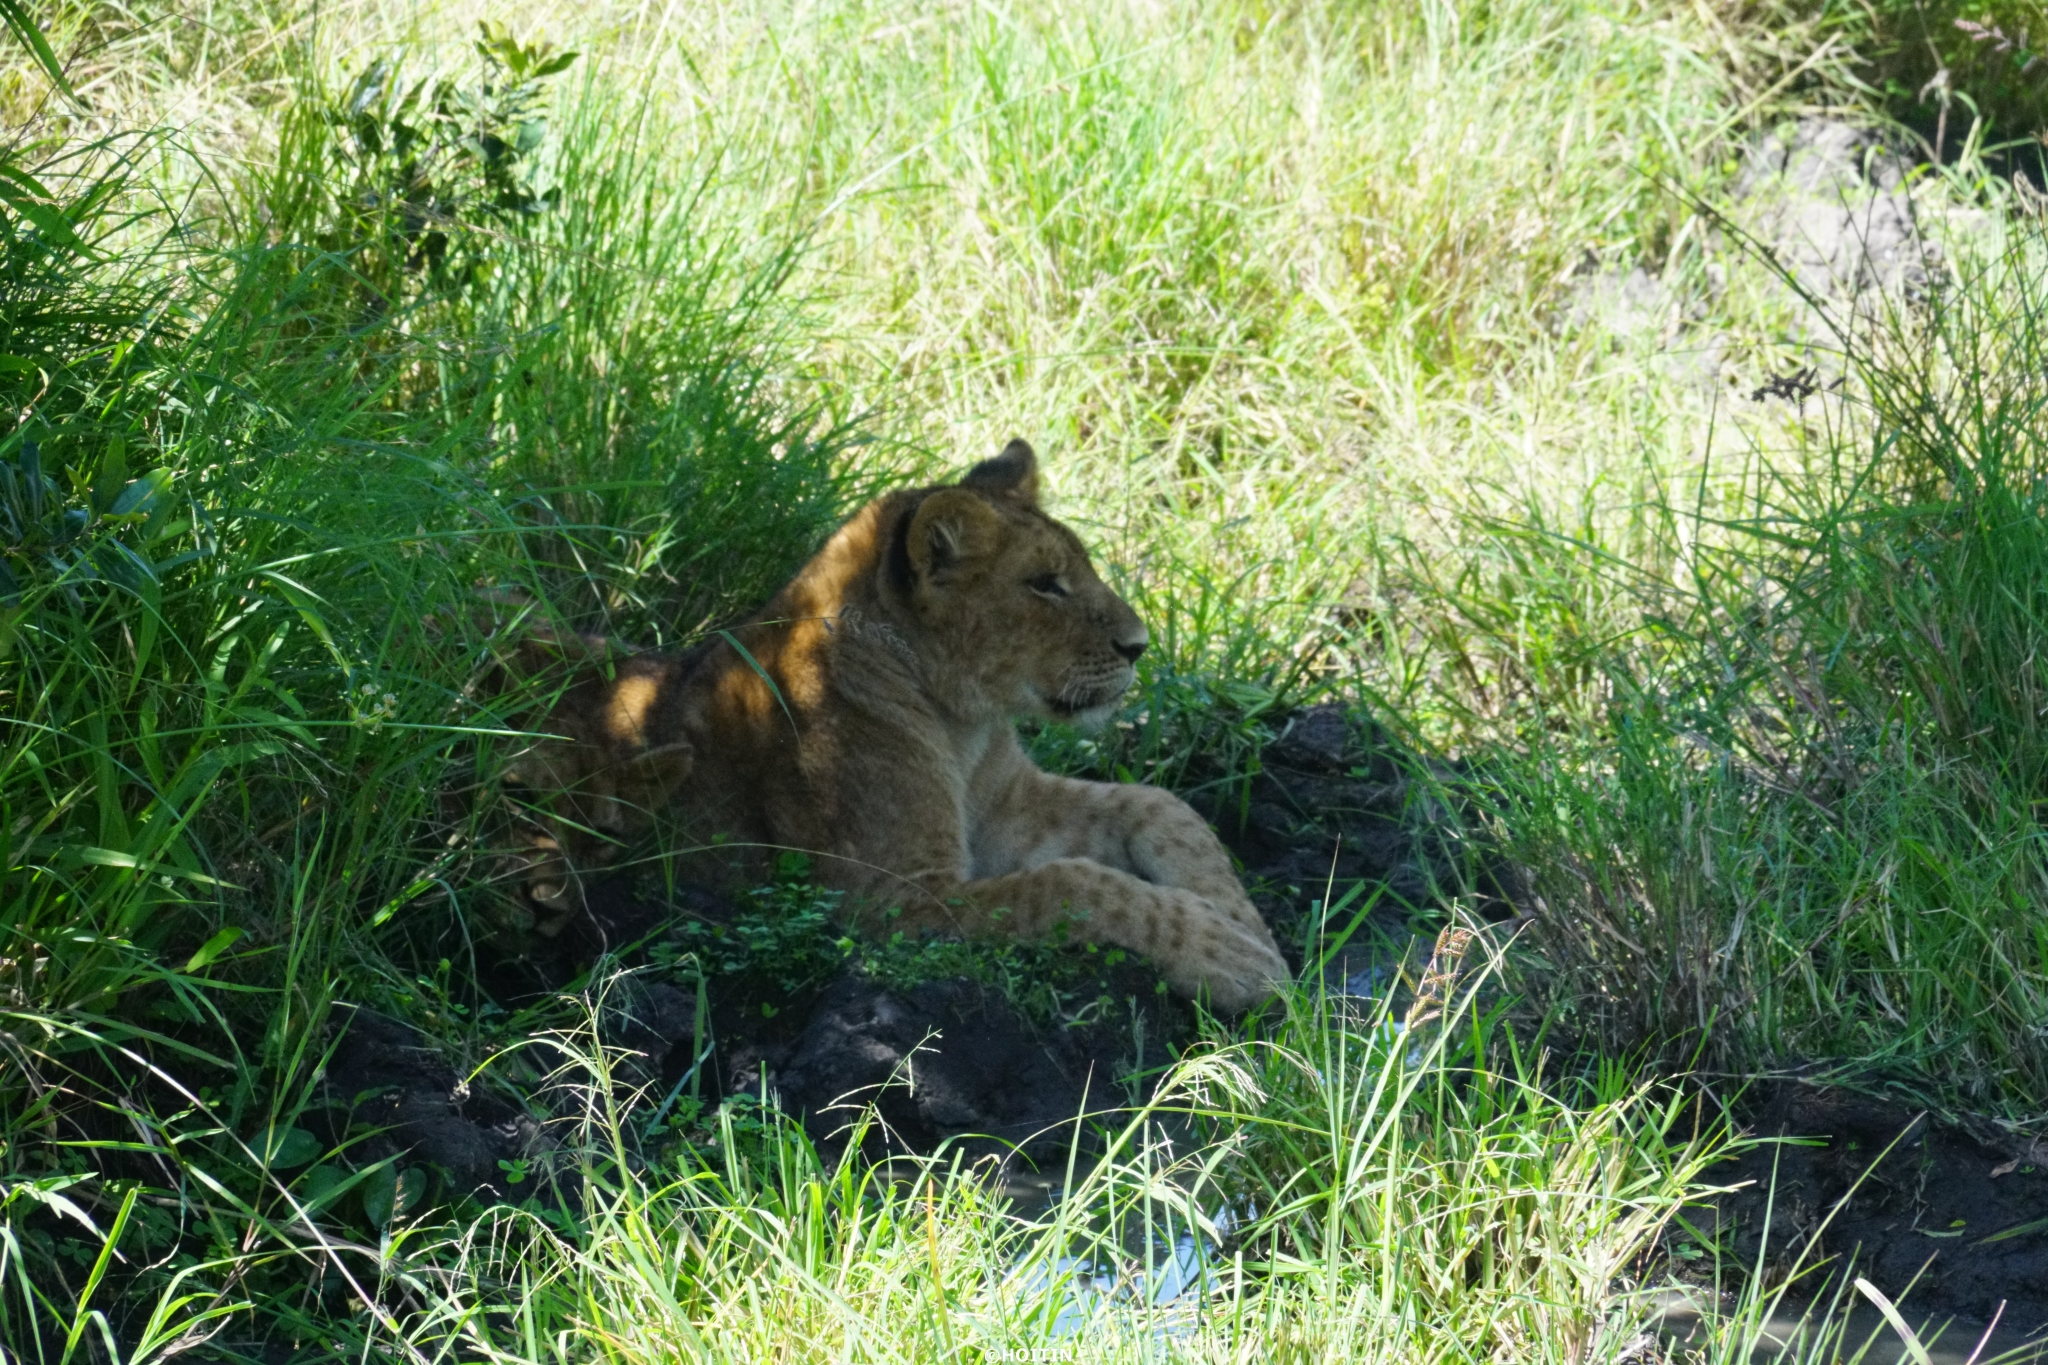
(1131,649)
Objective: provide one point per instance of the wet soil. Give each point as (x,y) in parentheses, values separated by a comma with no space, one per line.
(1336,808)
(1948,1217)
(947,1062)
(944,1062)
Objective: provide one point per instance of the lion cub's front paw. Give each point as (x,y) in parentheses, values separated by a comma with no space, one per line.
(1235,963)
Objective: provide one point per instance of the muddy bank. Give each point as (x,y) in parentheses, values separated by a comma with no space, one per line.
(1338,812)
(1948,1217)
(948,1061)
(386,1091)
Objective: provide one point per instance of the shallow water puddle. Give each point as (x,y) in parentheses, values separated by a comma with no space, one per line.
(1098,1296)
(1152,1294)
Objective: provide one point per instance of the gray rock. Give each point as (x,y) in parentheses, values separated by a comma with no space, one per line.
(1627,303)
(1830,201)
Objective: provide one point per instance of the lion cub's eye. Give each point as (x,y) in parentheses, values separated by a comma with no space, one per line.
(1049,584)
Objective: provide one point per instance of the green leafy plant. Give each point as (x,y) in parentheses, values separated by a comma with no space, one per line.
(438,169)
(782,937)
(785,940)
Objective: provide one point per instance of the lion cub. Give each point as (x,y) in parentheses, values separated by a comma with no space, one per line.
(865,715)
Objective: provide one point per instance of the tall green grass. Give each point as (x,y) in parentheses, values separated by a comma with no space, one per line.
(1241,273)
(1958,74)
(249,491)
(1358,1194)
(1784,763)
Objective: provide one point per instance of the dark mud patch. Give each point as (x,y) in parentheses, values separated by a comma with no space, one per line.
(388,1093)
(1335,803)
(951,1062)
(945,1062)
(1948,1217)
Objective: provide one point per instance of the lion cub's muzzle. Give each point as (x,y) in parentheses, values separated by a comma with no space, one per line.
(1089,694)
(1090,689)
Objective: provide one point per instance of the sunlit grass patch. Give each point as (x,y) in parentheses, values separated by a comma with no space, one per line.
(1778,758)
(1284,1196)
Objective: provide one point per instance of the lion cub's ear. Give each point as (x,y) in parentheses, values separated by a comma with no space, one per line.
(951,527)
(1012,474)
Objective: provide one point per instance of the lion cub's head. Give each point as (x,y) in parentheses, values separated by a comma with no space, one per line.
(1010,593)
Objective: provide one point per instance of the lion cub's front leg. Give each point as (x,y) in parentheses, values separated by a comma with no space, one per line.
(1196,946)
(1145,831)
(1137,865)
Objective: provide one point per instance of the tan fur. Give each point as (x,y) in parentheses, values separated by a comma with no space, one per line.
(869,723)
(899,657)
